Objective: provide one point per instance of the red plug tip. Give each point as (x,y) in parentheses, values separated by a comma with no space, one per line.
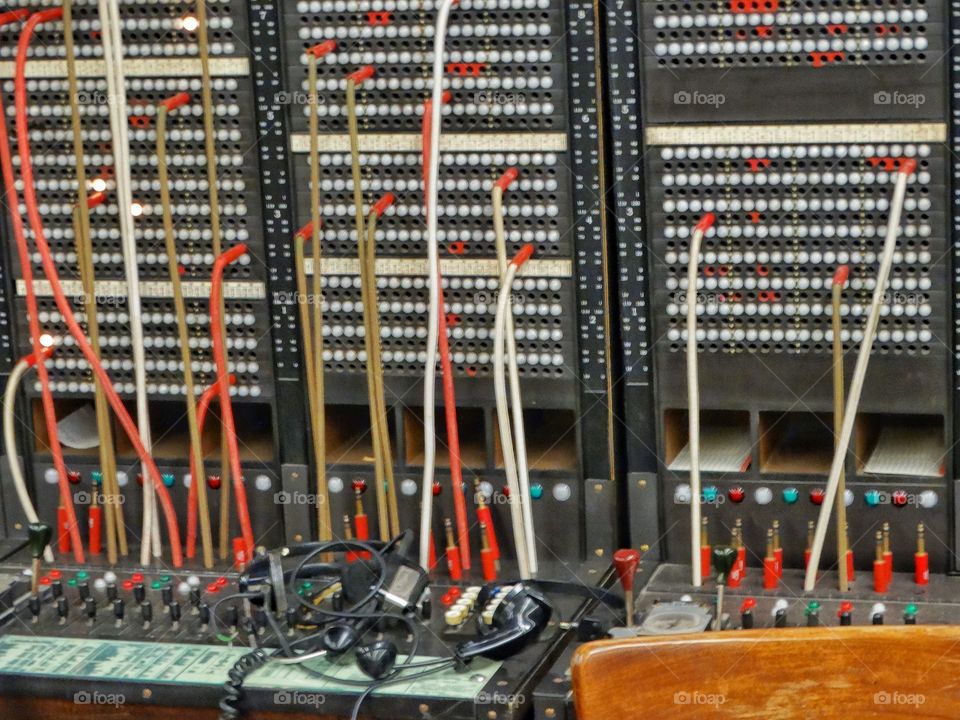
(908,166)
(45,354)
(306,232)
(175,101)
(48,15)
(13,16)
(506,180)
(96,199)
(445,98)
(521,257)
(322,49)
(706,222)
(382,204)
(364,73)
(625,562)
(841,276)
(233,254)
(231,379)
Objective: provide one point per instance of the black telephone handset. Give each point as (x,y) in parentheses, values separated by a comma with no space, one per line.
(518,621)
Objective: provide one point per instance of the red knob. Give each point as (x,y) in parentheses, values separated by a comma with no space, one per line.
(213,482)
(817,495)
(845,608)
(748,604)
(736,494)
(625,561)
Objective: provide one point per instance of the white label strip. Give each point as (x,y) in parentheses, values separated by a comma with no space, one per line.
(451,142)
(142,67)
(794,134)
(104,289)
(448,267)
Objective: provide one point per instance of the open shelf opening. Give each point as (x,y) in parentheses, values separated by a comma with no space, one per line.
(551,439)
(170,432)
(796,442)
(349,438)
(76,426)
(724,440)
(889,444)
(473,445)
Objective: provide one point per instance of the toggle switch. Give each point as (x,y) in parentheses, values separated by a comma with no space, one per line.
(625,562)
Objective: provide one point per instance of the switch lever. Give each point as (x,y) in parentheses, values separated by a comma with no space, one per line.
(724,558)
(625,561)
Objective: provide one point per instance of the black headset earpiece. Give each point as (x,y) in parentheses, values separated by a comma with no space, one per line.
(339,637)
(517,622)
(377,659)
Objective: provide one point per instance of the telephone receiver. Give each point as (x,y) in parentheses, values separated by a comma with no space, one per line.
(518,621)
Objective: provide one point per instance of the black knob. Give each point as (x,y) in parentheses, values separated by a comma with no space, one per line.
(166,594)
(139,593)
(195,596)
(426,608)
(146,611)
(174,608)
(56,587)
(204,614)
(780,618)
(233,616)
(260,617)
(111,591)
(90,608)
(63,608)
(337,601)
(291,617)
(877,619)
(34,604)
(83,587)
(118,608)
